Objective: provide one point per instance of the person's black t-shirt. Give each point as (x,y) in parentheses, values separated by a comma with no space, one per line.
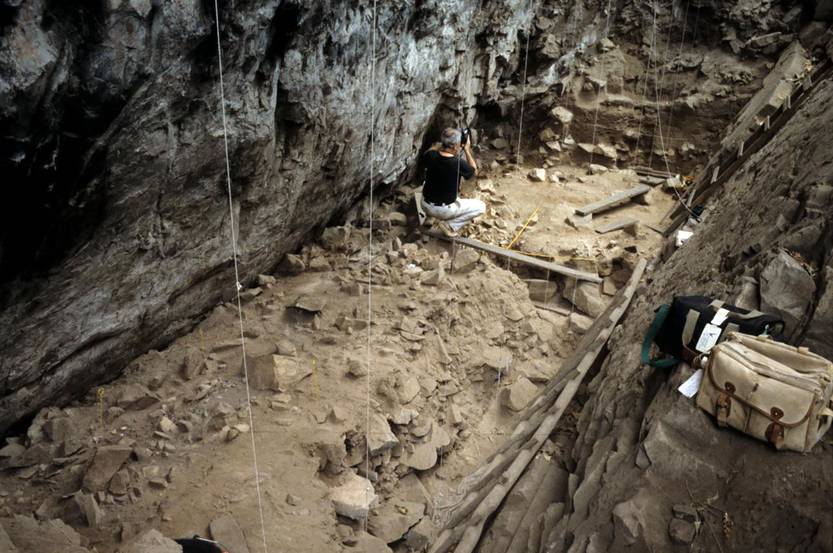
(442,177)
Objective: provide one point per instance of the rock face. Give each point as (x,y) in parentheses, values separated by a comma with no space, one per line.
(115,237)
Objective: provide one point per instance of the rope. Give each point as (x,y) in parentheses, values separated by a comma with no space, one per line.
(523,90)
(238,287)
(599,92)
(659,128)
(372,86)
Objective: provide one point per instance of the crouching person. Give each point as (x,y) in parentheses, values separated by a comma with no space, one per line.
(444,167)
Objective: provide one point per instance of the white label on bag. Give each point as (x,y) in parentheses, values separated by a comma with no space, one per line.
(708,338)
(689,387)
(720,316)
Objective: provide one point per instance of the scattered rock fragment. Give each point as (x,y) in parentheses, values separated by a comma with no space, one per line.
(135,397)
(681,531)
(787,289)
(596,169)
(519,394)
(537,175)
(579,324)
(354,497)
(380,437)
(627,522)
(292,265)
(106,462)
(393,519)
(466,260)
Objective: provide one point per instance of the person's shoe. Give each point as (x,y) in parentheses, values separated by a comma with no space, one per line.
(446,229)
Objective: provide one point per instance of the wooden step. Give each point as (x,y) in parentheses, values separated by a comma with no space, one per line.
(618,225)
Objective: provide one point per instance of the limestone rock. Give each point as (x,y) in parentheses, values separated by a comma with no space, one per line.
(225,530)
(596,169)
(681,531)
(135,397)
(579,324)
(466,260)
(292,265)
(499,143)
(541,289)
(519,394)
(277,372)
(51,536)
(106,462)
(787,289)
(586,296)
(421,535)
(627,522)
(152,541)
(90,509)
(393,519)
(366,543)
(538,175)
(562,115)
(354,497)
(819,337)
(380,437)
(407,387)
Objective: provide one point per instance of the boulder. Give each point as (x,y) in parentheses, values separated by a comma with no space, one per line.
(106,462)
(787,289)
(225,530)
(354,497)
(276,372)
(519,394)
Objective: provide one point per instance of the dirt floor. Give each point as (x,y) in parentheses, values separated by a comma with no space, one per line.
(448,352)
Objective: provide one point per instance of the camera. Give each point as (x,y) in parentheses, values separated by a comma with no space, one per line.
(464,136)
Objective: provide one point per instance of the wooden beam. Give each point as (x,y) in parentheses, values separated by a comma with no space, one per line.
(519,257)
(615,200)
(651,180)
(652,172)
(617,225)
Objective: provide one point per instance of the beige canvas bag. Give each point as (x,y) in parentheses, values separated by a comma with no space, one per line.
(772,391)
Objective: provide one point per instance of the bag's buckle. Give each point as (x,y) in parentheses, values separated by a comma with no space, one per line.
(775,430)
(723,407)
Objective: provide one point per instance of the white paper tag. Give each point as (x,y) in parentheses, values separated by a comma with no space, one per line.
(689,387)
(720,316)
(708,338)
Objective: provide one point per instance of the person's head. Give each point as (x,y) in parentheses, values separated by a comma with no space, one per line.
(451,139)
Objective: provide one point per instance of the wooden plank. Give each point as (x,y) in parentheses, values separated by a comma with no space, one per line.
(617,225)
(652,172)
(519,257)
(615,200)
(651,180)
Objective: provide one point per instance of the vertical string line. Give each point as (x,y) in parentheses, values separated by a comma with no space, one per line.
(523,89)
(372,86)
(238,286)
(599,92)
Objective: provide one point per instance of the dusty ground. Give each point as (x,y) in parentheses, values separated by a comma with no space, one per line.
(310,434)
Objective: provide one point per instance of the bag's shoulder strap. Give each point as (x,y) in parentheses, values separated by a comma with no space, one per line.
(653,330)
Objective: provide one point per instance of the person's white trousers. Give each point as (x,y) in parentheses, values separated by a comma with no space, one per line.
(457,214)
